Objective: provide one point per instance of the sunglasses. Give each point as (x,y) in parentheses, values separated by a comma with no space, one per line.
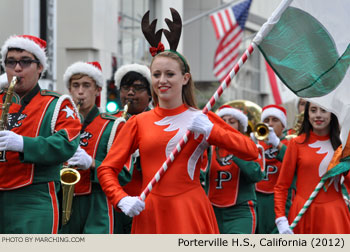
(24,63)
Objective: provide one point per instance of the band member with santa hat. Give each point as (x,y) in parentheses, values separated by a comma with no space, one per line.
(42,132)
(91,211)
(275,146)
(231,182)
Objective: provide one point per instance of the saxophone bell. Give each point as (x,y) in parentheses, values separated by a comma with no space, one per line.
(69,177)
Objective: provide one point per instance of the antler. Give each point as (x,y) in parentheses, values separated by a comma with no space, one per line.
(175,27)
(148,30)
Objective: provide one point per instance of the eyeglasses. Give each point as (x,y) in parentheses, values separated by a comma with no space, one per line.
(24,63)
(135,88)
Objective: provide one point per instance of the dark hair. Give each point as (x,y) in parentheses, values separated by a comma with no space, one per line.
(188,96)
(130,77)
(334,129)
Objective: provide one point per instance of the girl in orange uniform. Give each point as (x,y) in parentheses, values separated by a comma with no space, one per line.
(308,156)
(177,203)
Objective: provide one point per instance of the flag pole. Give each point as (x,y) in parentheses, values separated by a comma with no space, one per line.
(334,171)
(307,204)
(227,81)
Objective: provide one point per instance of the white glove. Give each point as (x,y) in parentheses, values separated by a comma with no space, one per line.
(273,139)
(80,159)
(283,225)
(201,125)
(10,141)
(131,206)
(252,136)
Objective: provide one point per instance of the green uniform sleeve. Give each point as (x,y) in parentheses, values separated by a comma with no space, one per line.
(280,154)
(51,150)
(250,169)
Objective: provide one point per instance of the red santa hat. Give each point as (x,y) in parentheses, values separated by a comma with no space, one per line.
(236,113)
(91,69)
(123,70)
(276,111)
(29,43)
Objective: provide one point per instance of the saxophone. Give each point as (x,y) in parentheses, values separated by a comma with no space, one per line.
(69,177)
(125,110)
(7,103)
(5,107)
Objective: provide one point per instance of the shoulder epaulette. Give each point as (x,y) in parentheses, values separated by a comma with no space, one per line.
(50,92)
(108,116)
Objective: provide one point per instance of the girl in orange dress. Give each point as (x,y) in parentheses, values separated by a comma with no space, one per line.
(177,203)
(308,156)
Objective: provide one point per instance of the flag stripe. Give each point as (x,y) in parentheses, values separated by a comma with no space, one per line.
(216,28)
(231,22)
(227,52)
(233,49)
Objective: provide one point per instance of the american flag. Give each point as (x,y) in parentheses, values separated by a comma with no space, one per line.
(228,25)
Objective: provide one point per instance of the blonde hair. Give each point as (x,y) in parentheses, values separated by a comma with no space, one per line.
(187,90)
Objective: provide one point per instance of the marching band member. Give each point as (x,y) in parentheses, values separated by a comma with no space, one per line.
(91,211)
(275,146)
(178,203)
(42,132)
(133,82)
(231,188)
(308,156)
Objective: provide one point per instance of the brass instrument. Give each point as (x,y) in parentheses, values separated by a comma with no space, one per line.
(253,112)
(80,102)
(250,109)
(125,110)
(7,103)
(261,131)
(69,177)
(297,126)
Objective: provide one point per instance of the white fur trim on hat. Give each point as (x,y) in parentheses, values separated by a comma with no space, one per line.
(236,113)
(25,44)
(123,70)
(276,113)
(83,68)
(3,80)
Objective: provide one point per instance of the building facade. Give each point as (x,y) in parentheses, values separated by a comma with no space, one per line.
(109,31)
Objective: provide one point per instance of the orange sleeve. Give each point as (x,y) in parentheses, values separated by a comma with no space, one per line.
(123,146)
(285,178)
(230,139)
(68,121)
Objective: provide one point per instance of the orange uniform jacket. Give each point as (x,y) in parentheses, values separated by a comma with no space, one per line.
(178,203)
(309,161)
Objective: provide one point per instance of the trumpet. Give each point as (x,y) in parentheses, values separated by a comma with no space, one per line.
(69,177)
(261,131)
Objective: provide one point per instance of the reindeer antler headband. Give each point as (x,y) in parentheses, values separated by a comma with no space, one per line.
(173,36)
